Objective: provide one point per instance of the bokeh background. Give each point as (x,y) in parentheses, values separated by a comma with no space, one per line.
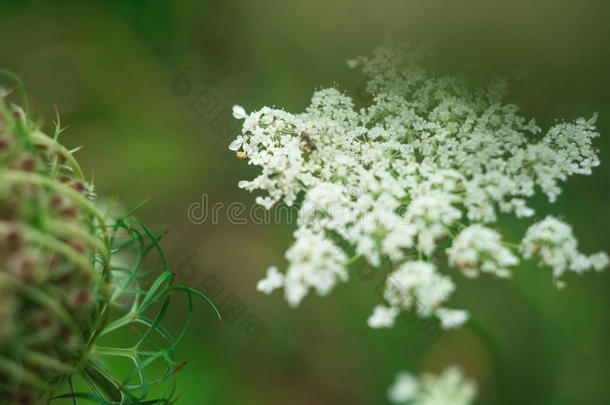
(147,87)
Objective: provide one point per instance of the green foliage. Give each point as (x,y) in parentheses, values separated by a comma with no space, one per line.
(130,234)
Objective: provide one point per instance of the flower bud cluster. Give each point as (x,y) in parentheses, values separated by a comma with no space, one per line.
(53,261)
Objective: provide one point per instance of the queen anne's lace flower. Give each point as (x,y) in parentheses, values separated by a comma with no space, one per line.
(427,165)
(557,247)
(417,285)
(449,388)
(315,262)
(478,248)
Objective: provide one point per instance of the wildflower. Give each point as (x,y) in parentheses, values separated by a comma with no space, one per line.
(383,317)
(479,249)
(315,262)
(552,240)
(417,285)
(449,388)
(422,172)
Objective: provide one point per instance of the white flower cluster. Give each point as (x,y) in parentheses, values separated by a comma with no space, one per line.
(416,285)
(557,247)
(449,388)
(315,262)
(479,249)
(427,165)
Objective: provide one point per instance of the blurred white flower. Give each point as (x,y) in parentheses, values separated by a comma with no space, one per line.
(273,280)
(599,260)
(451,318)
(382,317)
(449,388)
(404,388)
(552,240)
(479,249)
(352,63)
(416,285)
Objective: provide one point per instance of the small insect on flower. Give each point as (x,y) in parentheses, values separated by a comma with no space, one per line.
(309,144)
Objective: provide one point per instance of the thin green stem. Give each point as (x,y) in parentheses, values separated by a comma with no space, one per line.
(353,260)
(511,245)
(461,225)
(71,385)
(495,351)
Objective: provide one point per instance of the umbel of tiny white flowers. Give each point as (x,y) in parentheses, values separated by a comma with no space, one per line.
(424,169)
(451,387)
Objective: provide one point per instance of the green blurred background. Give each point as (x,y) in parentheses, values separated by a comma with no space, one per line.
(124,74)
